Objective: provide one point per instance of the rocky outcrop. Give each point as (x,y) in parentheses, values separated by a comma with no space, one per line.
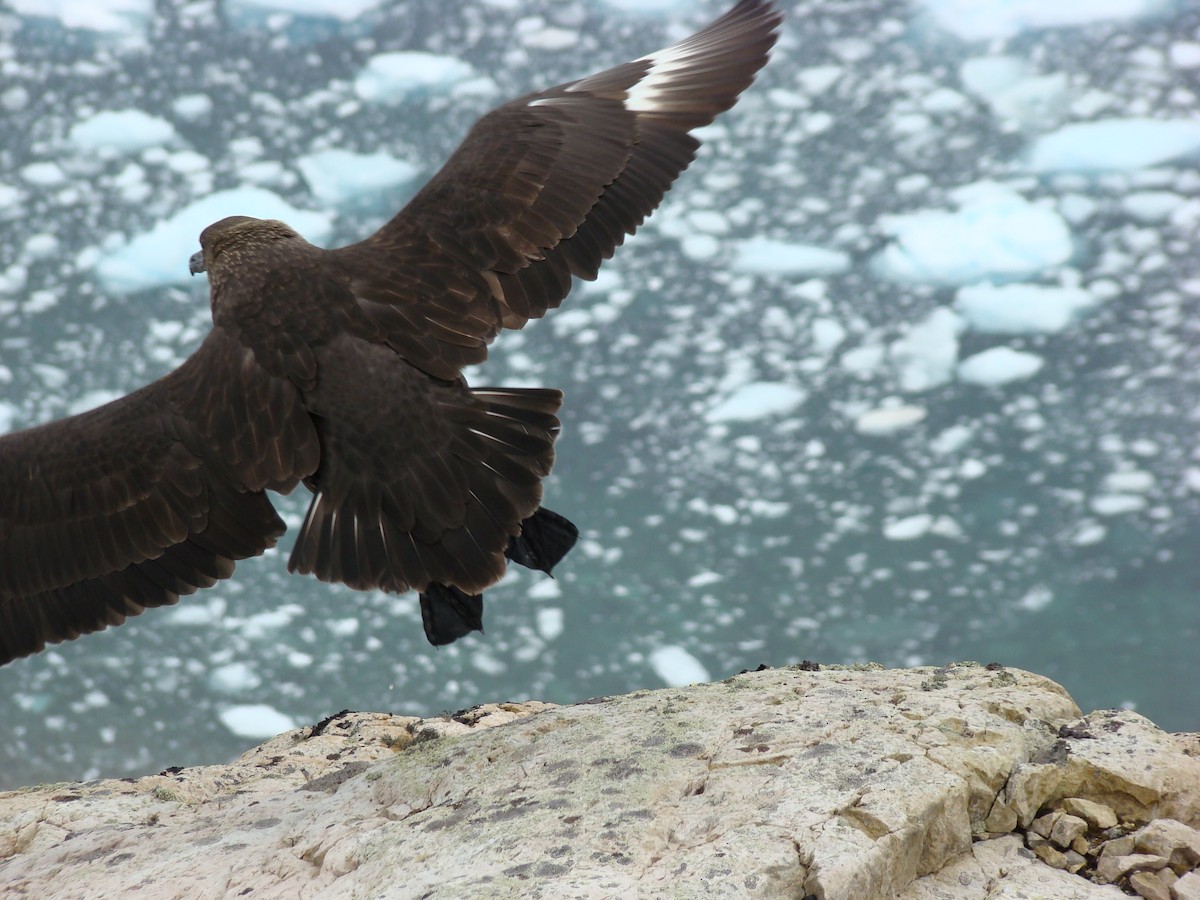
(959,782)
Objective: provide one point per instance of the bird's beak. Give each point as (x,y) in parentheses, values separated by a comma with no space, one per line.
(196,263)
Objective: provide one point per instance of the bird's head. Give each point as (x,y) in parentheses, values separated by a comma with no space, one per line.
(234,236)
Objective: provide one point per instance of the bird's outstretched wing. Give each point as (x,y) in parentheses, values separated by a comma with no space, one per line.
(149,497)
(544,188)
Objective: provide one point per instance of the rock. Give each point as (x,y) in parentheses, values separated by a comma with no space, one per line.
(1122,846)
(1043,825)
(1187,887)
(1111,868)
(1174,840)
(1097,815)
(1067,829)
(1051,855)
(849,784)
(1075,860)
(1150,886)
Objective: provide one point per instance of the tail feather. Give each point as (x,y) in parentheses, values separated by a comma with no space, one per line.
(445,506)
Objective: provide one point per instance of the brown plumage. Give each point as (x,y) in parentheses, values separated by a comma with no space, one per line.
(341,369)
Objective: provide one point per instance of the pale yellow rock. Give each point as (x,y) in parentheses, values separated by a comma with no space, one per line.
(1150,886)
(1187,887)
(1111,868)
(1067,829)
(850,784)
(1097,815)
(1174,840)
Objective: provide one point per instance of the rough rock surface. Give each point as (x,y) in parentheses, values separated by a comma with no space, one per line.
(840,783)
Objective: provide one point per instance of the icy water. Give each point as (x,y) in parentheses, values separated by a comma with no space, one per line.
(905,369)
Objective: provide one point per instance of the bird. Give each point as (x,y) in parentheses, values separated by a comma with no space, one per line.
(342,370)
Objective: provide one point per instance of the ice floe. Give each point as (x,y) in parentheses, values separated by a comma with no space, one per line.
(764,256)
(121,131)
(338,176)
(998,366)
(1115,145)
(398,76)
(1021,308)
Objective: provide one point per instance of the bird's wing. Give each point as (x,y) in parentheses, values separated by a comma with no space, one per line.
(543,188)
(149,497)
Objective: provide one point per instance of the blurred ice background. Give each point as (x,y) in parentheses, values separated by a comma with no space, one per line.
(906,368)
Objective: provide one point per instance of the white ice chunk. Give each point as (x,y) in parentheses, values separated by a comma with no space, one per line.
(549,622)
(999,365)
(96,15)
(393,77)
(908,529)
(925,356)
(1014,91)
(121,131)
(648,7)
(677,667)
(1115,145)
(1185,54)
(337,176)
(1152,207)
(1021,308)
(255,720)
(159,256)
(192,107)
(346,10)
(888,419)
(234,678)
(975,20)
(1117,504)
(763,256)
(756,400)
(995,233)
(10,202)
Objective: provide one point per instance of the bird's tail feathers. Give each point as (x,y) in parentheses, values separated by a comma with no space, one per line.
(446,512)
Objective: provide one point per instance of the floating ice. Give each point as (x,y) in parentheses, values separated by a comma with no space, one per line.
(995,233)
(337,176)
(998,366)
(908,529)
(394,77)
(1152,207)
(97,15)
(925,356)
(763,256)
(345,10)
(647,6)
(159,256)
(1021,308)
(256,721)
(1115,144)
(975,20)
(1117,504)
(234,678)
(888,419)
(121,131)
(192,107)
(10,202)
(677,667)
(1014,91)
(549,622)
(756,400)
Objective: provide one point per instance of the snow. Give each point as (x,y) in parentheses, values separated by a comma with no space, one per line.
(975,20)
(756,400)
(677,667)
(395,77)
(999,366)
(255,721)
(1021,308)
(764,256)
(995,233)
(337,176)
(121,131)
(158,257)
(1115,145)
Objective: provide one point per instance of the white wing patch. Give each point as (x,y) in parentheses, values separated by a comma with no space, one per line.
(651,93)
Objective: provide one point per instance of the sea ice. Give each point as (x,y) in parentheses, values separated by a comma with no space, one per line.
(337,176)
(925,356)
(764,256)
(345,10)
(121,131)
(677,667)
(1115,145)
(998,366)
(975,20)
(255,720)
(756,400)
(394,77)
(159,256)
(995,233)
(1021,308)
(888,419)
(96,15)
